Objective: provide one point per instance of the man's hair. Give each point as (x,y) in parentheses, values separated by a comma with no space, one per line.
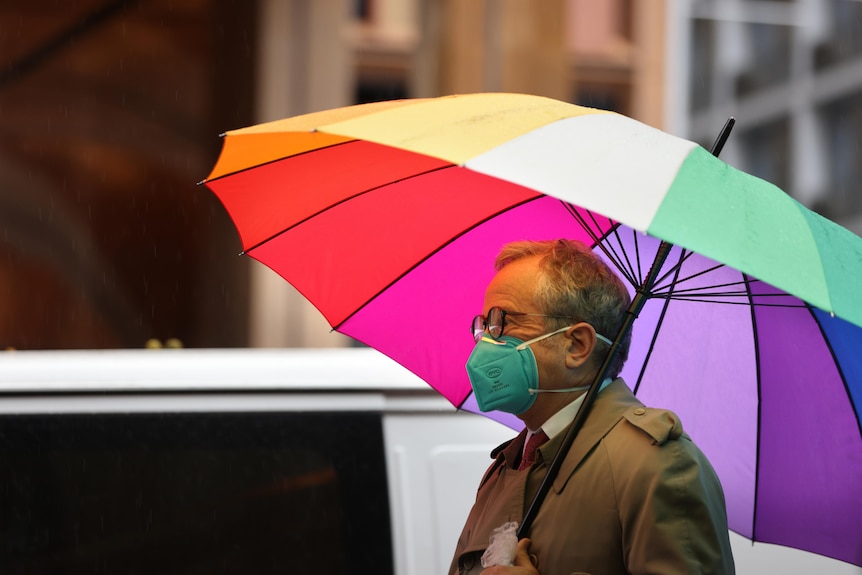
(576,283)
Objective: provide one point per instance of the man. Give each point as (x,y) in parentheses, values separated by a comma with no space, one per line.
(634,494)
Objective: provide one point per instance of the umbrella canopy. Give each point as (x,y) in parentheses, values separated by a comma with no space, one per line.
(388,216)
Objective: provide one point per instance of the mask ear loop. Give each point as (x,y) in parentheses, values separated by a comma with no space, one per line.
(566,390)
(569,389)
(603,339)
(523,346)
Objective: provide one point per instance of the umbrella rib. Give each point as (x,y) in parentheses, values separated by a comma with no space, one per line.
(629,266)
(711,286)
(740,302)
(706,271)
(712,291)
(654,337)
(596,224)
(671,288)
(582,222)
(254,167)
(598,240)
(693,294)
(683,293)
(705,291)
(673,270)
(837,364)
(606,245)
(759,411)
(637,254)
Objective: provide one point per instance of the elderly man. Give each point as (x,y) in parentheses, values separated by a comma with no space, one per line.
(634,494)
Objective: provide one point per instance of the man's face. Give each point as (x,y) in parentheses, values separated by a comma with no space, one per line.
(512,290)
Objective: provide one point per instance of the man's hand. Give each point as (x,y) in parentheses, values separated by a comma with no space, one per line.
(523,564)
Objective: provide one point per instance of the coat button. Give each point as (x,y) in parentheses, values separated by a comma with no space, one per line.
(639,411)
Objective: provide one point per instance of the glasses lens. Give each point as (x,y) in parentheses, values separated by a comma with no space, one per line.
(478,327)
(495,322)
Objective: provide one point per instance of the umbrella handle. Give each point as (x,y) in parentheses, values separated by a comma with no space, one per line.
(632,312)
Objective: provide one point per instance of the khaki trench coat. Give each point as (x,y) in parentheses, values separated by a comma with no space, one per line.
(634,495)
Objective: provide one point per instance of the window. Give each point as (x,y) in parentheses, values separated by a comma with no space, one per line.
(845,40)
(379,90)
(768,154)
(362,9)
(193,493)
(702,63)
(612,97)
(769,59)
(844,155)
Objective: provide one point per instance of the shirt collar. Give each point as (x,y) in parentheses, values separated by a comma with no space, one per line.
(561,420)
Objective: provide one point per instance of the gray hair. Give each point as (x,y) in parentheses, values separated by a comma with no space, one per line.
(576,283)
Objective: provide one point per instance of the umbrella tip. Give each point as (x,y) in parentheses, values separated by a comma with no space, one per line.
(718,145)
(202,182)
(242,253)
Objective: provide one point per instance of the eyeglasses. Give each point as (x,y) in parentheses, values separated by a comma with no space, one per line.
(495,322)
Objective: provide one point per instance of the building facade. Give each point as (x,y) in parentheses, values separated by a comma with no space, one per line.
(790,72)
(603,54)
(110,112)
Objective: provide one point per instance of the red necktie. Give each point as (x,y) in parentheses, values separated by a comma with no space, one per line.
(535,441)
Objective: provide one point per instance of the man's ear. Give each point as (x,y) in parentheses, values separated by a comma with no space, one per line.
(581,339)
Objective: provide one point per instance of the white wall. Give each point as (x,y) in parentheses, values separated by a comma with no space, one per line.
(434,464)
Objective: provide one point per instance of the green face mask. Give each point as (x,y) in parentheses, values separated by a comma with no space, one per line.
(504,375)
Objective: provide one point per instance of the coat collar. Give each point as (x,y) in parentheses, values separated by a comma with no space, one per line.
(606,411)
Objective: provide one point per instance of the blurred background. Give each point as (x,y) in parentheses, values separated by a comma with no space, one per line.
(111,110)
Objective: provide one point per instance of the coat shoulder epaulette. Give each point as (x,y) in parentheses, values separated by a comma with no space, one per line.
(660,424)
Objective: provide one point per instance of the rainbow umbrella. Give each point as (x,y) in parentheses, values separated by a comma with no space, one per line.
(388,216)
